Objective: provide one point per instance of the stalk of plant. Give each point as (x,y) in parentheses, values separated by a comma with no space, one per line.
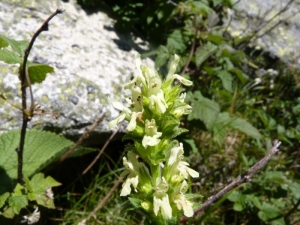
(156,177)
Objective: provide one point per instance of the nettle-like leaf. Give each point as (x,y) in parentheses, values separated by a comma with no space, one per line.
(203,108)
(3,198)
(18,199)
(204,52)
(41,149)
(38,187)
(9,213)
(226,79)
(9,57)
(175,41)
(269,212)
(224,121)
(18,46)
(38,72)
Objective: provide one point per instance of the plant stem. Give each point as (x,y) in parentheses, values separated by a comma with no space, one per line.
(25,81)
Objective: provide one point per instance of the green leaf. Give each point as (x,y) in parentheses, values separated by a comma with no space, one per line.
(18,46)
(17,203)
(192,144)
(217,2)
(216,39)
(40,183)
(3,43)
(3,198)
(200,7)
(226,79)
(241,76)
(238,206)
(135,202)
(19,190)
(41,149)
(268,212)
(235,196)
(162,56)
(294,188)
(37,72)
(9,213)
(39,186)
(9,57)
(225,120)
(204,52)
(204,109)
(175,41)
(245,127)
(177,131)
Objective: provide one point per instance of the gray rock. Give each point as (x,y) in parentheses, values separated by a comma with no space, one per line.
(278,25)
(89,65)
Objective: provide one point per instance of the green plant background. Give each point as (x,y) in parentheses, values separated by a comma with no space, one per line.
(233,123)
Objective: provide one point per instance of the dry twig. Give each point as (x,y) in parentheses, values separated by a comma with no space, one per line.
(242,178)
(82,138)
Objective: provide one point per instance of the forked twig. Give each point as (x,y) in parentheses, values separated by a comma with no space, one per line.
(242,178)
(82,138)
(102,150)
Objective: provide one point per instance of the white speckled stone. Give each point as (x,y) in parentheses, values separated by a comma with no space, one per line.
(89,65)
(283,40)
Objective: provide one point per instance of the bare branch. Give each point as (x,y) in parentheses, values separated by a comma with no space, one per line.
(242,178)
(102,150)
(82,138)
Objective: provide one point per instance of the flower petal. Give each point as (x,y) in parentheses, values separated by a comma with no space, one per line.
(182,80)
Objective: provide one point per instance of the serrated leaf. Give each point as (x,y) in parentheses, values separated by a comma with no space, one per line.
(294,188)
(204,109)
(3,198)
(18,190)
(177,131)
(18,46)
(41,149)
(175,41)
(162,56)
(38,72)
(9,57)
(9,213)
(268,212)
(225,120)
(226,79)
(17,203)
(28,184)
(219,131)
(245,127)
(40,183)
(204,52)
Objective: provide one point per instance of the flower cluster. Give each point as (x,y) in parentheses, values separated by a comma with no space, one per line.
(155,174)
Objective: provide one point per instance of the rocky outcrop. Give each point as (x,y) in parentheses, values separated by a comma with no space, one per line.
(91,61)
